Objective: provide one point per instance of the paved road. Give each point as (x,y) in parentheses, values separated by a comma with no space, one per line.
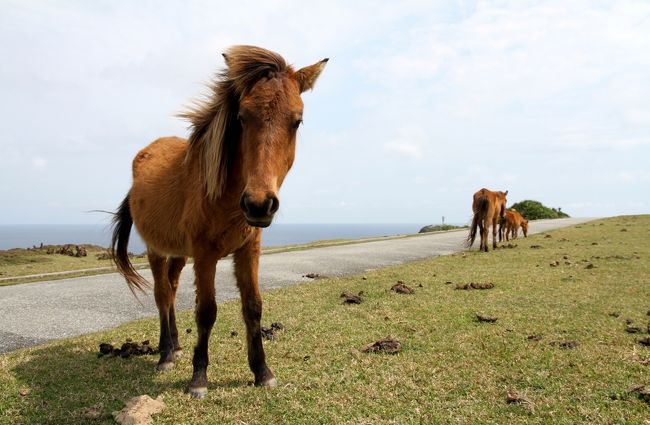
(33,313)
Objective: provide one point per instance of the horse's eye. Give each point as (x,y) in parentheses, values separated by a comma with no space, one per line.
(297,123)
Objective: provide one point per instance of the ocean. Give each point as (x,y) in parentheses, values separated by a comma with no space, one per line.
(25,236)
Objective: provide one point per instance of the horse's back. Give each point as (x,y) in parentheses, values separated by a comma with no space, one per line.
(153,161)
(157,196)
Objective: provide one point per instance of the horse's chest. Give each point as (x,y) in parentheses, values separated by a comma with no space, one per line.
(233,238)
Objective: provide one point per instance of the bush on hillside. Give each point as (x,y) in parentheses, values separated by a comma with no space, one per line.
(534,210)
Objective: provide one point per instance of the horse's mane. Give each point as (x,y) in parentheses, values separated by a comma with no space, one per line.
(213,120)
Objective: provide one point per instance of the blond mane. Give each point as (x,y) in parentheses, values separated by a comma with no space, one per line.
(213,120)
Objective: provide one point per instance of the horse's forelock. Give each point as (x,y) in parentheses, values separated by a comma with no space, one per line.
(212,118)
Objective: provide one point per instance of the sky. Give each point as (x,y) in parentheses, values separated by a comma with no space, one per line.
(421,104)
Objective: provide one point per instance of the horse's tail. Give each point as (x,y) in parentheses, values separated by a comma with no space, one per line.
(122,223)
(481,210)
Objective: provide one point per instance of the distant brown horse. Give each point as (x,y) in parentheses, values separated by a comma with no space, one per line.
(209,196)
(513,221)
(488,208)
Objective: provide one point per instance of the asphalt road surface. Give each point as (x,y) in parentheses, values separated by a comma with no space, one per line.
(33,313)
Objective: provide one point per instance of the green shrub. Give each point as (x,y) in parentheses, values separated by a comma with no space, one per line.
(534,210)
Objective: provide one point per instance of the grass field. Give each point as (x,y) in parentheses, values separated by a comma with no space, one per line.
(452,368)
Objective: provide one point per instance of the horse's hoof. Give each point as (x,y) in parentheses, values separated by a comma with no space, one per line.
(178,354)
(197,392)
(269,383)
(163,367)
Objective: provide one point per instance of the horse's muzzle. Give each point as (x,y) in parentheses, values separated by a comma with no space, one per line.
(259,214)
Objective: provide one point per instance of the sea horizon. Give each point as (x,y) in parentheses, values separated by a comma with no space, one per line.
(278,234)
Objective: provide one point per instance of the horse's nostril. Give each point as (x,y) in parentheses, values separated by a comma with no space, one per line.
(259,210)
(243,204)
(274,205)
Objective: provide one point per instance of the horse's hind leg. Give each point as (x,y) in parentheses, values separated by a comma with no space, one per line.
(163,294)
(483,231)
(494,233)
(175,266)
(246,272)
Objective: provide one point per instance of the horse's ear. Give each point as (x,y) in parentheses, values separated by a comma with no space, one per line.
(307,76)
(225,58)
(506,193)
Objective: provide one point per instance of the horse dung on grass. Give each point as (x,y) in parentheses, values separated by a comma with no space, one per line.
(488,207)
(211,195)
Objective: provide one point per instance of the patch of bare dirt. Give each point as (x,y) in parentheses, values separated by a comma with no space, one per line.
(401,288)
(388,345)
(615,313)
(350,298)
(138,410)
(487,319)
(535,246)
(534,337)
(128,349)
(633,329)
(312,275)
(475,285)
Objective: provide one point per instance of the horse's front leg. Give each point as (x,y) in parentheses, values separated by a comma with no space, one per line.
(246,270)
(206,313)
(175,268)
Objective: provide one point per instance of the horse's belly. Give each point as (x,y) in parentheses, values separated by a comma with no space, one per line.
(157,196)
(158,224)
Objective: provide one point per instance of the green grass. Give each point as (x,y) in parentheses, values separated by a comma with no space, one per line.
(452,369)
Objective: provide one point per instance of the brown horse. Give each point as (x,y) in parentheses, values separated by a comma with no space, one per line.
(488,208)
(514,220)
(209,196)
